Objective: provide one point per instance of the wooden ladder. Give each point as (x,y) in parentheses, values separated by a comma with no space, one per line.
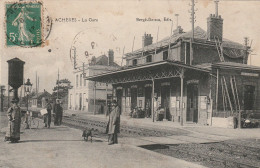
(219,49)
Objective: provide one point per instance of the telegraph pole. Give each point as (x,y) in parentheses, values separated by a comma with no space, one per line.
(58,84)
(216,7)
(177,20)
(192,25)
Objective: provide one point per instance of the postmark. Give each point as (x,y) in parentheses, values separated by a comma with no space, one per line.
(24,24)
(91,43)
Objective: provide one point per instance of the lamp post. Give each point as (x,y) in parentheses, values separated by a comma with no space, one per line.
(27,89)
(2,97)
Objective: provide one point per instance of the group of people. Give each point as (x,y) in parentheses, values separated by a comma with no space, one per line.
(57,113)
(14,118)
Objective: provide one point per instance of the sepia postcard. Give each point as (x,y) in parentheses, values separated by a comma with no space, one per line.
(130,83)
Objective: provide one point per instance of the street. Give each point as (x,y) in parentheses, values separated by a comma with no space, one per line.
(63,147)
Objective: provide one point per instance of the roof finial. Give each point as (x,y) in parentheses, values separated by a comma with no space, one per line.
(216,7)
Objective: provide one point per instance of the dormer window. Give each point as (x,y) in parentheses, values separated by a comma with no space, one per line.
(135,62)
(165,55)
(149,58)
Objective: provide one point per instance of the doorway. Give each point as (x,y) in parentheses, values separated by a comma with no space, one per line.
(119,94)
(133,98)
(249,97)
(165,102)
(192,103)
(148,101)
(80,101)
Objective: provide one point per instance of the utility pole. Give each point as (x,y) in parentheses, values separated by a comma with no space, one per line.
(58,84)
(133,44)
(123,56)
(216,7)
(192,25)
(36,87)
(177,20)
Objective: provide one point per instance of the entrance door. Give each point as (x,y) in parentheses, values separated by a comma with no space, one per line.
(119,94)
(80,101)
(249,97)
(148,101)
(166,101)
(133,98)
(192,104)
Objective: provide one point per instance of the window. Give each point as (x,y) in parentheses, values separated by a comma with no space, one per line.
(70,100)
(77,80)
(149,58)
(135,62)
(165,55)
(80,79)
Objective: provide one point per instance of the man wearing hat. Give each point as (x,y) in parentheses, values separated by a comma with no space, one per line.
(14,116)
(47,117)
(113,123)
(57,111)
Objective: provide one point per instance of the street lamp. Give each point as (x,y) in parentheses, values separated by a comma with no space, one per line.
(27,89)
(2,97)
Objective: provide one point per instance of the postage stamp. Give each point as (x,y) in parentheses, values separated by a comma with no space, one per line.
(24,24)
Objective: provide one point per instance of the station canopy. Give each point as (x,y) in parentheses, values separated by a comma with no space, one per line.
(155,70)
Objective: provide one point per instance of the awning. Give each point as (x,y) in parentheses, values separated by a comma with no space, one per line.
(155,70)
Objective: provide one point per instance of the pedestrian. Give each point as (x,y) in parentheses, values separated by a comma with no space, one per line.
(14,124)
(59,112)
(113,123)
(47,117)
(55,111)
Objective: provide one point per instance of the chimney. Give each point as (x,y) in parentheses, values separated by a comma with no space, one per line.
(178,30)
(110,57)
(147,39)
(215,27)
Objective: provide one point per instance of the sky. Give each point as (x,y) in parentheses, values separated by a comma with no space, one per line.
(116,29)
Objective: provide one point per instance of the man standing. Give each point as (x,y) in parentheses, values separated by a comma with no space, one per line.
(47,117)
(14,116)
(55,112)
(114,123)
(58,111)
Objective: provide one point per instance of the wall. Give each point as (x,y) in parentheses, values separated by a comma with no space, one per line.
(86,90)
(204,54)
(241,81)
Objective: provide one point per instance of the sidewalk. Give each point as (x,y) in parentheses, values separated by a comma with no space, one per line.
(61,146)
(214,133)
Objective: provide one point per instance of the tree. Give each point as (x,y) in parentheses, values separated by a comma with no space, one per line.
(61,89)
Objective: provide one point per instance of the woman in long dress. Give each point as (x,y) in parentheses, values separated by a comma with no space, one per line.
(14,124)
(24,34)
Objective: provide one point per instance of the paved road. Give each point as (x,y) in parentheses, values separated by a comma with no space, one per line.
(62,147)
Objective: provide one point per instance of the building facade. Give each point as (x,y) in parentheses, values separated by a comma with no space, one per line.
(87,95)
(189,77)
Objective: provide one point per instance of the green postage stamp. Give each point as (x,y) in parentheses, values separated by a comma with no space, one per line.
(24,24)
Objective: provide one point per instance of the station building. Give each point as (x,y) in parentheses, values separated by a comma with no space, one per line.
(195,77)
(91,96)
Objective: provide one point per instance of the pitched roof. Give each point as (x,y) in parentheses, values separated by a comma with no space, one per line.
(236,66)
(199,34)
